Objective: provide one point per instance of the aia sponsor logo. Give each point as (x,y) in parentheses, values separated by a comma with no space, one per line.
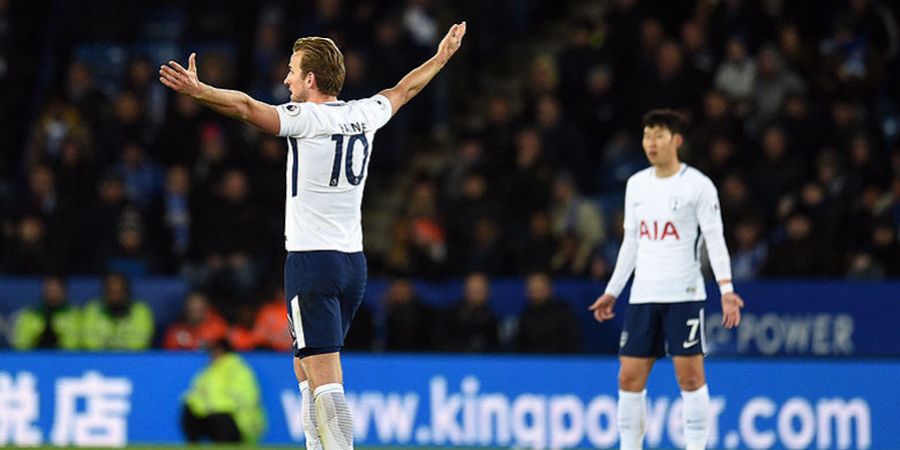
(655,231)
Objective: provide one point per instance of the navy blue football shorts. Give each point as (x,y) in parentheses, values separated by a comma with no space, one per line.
(653,330)
(323,290)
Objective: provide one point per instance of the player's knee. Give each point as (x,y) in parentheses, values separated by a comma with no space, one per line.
(631,382)
(691,381)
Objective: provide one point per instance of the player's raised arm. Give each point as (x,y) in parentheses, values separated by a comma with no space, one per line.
(229,103)
(416,80)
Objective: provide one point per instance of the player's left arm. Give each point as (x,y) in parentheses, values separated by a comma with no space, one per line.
(234,104)
(709,216)
(415,81)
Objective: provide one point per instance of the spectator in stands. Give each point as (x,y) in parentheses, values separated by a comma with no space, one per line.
(801,254)
(42,198)
(429,236)
(471,205)
(242,335)
(597,113)
(717,121)
(54,323)
(58,121)
(172,220)
(487,250)
(30,250)
(547,325)
(223,403)
(410,323)
(736,74)
(562,141)
(499,132)
(773,83)
(228,237)
(534,252)
(143,177)
(884,247)
(864,167)
(577,219)
(750,250)
(104,219)
(116,321)
(179,137)
(271,326)
(141,80)
(130,254)
(778,171)
(199,327)
(76,173)
(527,184)
(576,59)
(470,325)
(698,54)
(82,93)
(126,124)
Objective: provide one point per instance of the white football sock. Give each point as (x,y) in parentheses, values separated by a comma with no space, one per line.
(335,423)
(632,414)
(695,412)
(308,412)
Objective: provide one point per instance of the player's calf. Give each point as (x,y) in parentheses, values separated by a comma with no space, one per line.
(334,421)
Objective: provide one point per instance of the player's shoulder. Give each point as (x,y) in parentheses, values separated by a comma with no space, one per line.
(695,176)
(377,101)
(641,175)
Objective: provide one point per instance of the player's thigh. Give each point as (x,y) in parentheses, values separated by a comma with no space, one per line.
(633,372)
(642,332)
(353,289)
(684,328)
(314,309)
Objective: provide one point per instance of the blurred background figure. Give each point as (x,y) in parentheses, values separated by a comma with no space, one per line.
(54,323)
(547,324)
(116,320)
(271,323)
(223,403)
(409,322)
(199,327)
(471,326)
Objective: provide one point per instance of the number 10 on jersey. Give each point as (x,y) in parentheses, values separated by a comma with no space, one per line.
(339,155)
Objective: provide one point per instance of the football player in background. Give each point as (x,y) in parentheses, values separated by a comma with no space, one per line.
(670,209)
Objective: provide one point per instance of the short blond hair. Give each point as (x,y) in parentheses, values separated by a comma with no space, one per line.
(322,57)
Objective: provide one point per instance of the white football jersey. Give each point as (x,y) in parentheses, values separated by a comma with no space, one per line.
(329,149)
(668,218)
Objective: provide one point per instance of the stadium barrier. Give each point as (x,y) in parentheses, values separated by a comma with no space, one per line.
(110,399)
(823,318)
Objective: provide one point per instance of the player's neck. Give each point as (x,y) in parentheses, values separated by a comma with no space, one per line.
(666,171)
(317,97)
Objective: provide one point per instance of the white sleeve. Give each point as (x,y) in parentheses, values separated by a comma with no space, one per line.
(296,120)
(627,252)
(709,216)
(378,110)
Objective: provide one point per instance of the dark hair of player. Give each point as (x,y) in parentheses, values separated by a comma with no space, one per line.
(666,118)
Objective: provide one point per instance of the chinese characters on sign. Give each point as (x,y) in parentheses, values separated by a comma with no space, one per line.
(90,410)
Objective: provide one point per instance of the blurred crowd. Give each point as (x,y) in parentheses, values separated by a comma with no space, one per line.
(117,319)
(512,162)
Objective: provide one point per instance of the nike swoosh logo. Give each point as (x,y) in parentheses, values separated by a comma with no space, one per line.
(689,344)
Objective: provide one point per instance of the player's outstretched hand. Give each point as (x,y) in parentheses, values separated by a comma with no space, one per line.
(731,309)
(451,42)
(603,307)
(181,80)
